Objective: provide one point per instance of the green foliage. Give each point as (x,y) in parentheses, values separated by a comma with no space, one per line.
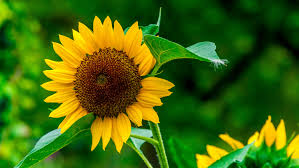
(181,154)
(54,141)
(234,157)
(165,51)
(140,132)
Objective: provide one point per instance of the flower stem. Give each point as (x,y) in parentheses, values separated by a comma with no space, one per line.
(160,146)
(147,163)
(149,140)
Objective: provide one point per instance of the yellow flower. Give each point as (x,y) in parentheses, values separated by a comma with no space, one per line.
(102,72)
(267,135)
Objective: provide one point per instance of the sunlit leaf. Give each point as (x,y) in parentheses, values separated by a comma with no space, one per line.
(54,141)
(141,132)
(165,51)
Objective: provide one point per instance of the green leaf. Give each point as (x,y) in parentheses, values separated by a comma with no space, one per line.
(165,51)
(141,132)
(54,141)
(151,29)
(233,157)
(294,163)
(181,154)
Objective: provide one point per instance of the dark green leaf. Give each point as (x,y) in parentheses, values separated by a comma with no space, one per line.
(233,157)
(294,163)
(165,51)
(181,154)
(54,141)
(141,132)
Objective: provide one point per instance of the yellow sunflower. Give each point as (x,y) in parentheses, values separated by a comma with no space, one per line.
(268,135)
(102,72)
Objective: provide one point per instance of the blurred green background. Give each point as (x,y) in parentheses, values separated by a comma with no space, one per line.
(260,40)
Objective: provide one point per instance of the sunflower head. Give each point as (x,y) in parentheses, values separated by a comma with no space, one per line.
(270,148)
(103,72)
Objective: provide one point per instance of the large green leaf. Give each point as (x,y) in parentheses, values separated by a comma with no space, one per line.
(182,155)
(54,141)
(233,157)
(165,51)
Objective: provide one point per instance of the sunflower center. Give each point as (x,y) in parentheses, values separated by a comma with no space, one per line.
(107,82)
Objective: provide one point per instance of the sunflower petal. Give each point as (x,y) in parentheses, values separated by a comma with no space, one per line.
(70,45)
(61,76)
(65,108)
(135,114)
(149,114)
(130,36)
(158,93)
(67,56)
(118,36)
(155,83)
(124,126)
(98,32)
(59,65)
(60,96)
(107,127)
(293,146)
(148,100)
(88,36)
(270,133)
(203,161)
(56,86)
(96,132)
(215,152)
(115,136)
(231,141)
(254,137)
(82,43)
(281,137)
(108,33)
(72,118)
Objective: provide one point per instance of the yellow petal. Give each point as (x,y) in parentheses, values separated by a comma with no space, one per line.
(155,83)
(146,65)
(70,45)
(82,43)
(281,137)
(115,136)
(270,132)
(215,152)
(141,54)
(71,119)
(107,127)
(231,141)
(118,36)
(61,76)
(88,36)
(65,108)
(108,33)
(59,65)
(293,146)
(203,161)
(124,126)
(61,96)
(158,93)
(56,86)
(98,32)
(148,100)
(149,114)
(254,137)
(96,132)
(68,57)
(261,137)
(135,114)
(130,37)
(136,44)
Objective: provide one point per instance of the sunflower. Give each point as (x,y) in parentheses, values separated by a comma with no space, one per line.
(103,72)
(267,137)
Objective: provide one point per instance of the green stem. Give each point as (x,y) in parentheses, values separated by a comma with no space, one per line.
(147,163)
(149,140)
(160,147)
